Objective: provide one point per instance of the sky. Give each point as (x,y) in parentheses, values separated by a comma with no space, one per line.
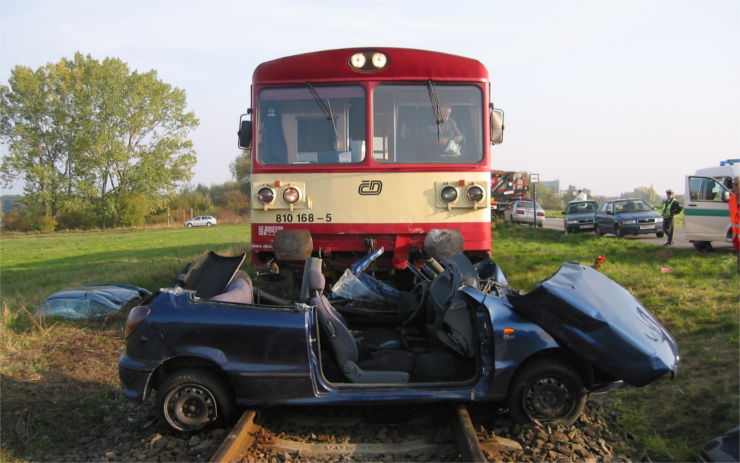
(604,95)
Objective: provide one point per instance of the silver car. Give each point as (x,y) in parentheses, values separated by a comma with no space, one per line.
(522,211)
(201,221)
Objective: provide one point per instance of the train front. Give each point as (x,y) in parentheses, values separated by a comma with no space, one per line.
(366,148)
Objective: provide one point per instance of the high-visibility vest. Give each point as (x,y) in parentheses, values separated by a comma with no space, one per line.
(735,215)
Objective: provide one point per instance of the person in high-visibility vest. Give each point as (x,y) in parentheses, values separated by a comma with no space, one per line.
(735,213)
(670,208)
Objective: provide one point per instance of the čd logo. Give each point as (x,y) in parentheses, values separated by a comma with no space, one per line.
(370,187)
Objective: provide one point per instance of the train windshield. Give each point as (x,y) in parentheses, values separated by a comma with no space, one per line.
(311,125)
(428,123)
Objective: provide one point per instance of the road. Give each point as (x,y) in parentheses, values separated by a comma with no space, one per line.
(678,240)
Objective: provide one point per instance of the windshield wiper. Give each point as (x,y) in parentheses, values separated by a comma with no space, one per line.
(435,105)
(325,106)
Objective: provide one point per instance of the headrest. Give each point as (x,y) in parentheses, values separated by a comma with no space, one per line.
(316,280)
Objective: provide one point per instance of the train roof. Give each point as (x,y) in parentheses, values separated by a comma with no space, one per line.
(403,64)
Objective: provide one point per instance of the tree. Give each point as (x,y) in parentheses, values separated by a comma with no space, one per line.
(241,170)
(93,131)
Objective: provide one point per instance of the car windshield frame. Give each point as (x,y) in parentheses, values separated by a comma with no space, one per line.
(626,206)
(573,208)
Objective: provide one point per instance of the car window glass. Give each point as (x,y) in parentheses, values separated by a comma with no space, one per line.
(705,189)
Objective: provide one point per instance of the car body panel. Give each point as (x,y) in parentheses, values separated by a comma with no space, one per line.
(614,213)
(580,216)
(274,354)
(601,321)
(201,221)
(522,211)
(707,214)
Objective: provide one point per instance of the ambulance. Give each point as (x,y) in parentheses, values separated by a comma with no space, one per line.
(706,209)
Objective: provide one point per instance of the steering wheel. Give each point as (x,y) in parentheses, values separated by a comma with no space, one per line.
(419,295)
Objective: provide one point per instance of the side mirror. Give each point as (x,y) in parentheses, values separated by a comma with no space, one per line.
(726,196)
(245,132)
(497,125)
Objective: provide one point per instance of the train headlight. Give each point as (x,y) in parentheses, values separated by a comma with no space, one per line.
(379,60)
(448,194)
(358,60)
(291,195)
(474,194)
(266,195)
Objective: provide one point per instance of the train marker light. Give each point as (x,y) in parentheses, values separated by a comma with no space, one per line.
(448,194)
(368,61)
(358,60)
(266,196)
(474,194)
(291,195)
(379,60)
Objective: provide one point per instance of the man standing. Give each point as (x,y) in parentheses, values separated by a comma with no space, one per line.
(670,208)
(581,196)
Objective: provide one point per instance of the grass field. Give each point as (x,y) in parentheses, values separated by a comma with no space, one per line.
(697,300)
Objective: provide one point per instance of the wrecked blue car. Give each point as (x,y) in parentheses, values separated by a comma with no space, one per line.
(212,343)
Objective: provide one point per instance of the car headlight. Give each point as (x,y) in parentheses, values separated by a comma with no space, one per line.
(572,222)
(474,194)
(448,194)
(291,195)
(629,222)
(266,195)
(659,220)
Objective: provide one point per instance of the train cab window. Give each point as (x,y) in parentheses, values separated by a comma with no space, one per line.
(311,125)
(427,123)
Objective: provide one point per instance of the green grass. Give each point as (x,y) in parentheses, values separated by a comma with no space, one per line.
(34,266)
(697,301)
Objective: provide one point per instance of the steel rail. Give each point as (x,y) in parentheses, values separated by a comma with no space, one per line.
(243,436)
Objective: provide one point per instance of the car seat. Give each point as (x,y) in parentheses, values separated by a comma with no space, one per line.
(384,366)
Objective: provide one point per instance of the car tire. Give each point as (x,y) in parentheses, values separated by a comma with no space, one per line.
(190,225)
(548,390)
(192,399)
(208,224)
(659,234)
(597,231)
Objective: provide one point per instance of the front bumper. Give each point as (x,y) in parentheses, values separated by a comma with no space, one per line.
(642,229)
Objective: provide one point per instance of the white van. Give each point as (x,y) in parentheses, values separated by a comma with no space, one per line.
(706,212)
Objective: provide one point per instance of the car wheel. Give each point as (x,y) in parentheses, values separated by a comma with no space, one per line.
(193,399)
(618,232)
(597,231)
(547,390)
(659,234)
(208,224)
(190,225)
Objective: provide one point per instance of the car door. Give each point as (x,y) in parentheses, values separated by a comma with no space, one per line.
(603,219)
(706,215)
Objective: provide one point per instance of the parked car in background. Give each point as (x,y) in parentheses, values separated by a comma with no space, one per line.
(522,211)
(201,221)
(628,217)
(579,216)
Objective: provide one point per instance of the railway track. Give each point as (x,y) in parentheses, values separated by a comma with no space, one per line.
(398,433)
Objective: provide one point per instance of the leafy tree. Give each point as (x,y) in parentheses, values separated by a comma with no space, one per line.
(241,170)
(93,131)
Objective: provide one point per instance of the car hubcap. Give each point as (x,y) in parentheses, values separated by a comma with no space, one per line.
(190,407)
(548,399)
